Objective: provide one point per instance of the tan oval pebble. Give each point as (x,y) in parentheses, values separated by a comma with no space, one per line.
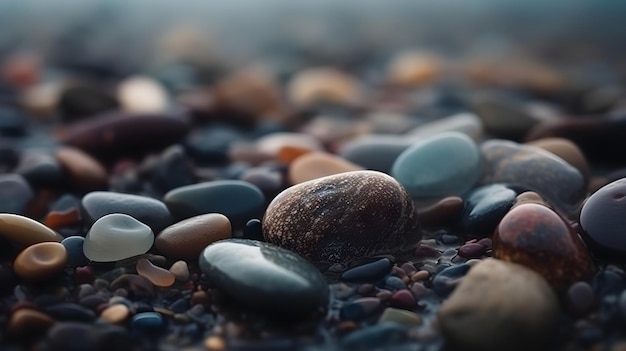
(271,144)
(142,95)
(85,172)
(180,270)
(315,165)
(215,343)
(200,298)
(420,275)
(40,261)
(529,197)
(323,84)
(24,231)
(157,275)
(25,321)
(566,150)
(187,238)
(115,314)
(414,68)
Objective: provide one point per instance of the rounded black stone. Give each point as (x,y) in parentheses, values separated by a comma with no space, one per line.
(485,207)
(253,230)
(371,272)
(40,168)
(149,211)
(172,170)
(74,247)
(264,277)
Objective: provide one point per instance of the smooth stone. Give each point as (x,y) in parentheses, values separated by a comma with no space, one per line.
(466,123)
(343,217)
(446,164)
(271,144)
(180,270)
(71,336)
(567,150)
(594,135)
(472,250)
(400,316)
(84,172)
(40,169)
(16,193)
(374,152)
(68,311)
(371,272)
(580,299)
(158,276)
(315,165)
(317,85)
(269,180)
(500,306)
(484,208)
(538,238)
(359,309)
(413,68)
(403,299)
(40,261)
(115,314)
(394,283)
(382,335)
(264,277)
(115,134)
(447,280)
(503,115)
(253,230)
(187,238)
(602,223)
(210,144)
(236,199)
(152,212)
(443,213)
(27,322)
(137,285)
(84,99)
(172,170)
(534,169)
(140,94)
(116,237)
(24,231)
(148,322)
(74,248)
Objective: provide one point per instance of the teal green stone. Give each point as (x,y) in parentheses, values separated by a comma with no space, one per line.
(236,199)
(446,164)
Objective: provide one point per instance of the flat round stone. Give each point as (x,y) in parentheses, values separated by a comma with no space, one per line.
(342,217)
(40,261)
(147,210)
(238,200)
(187,238)
(24,231)
(116,237)
(442,165)
(265,277)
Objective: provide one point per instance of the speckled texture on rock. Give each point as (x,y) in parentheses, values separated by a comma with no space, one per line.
(342,217)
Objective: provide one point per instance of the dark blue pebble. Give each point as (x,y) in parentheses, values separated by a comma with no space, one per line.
(394,283)
(371,272)
(382,335)
(75,255)
(485,207)
(69,311)
(179,306)
(253,230)
(148,322)
(608,282)
(172,170)
(92,302)
(445,281)
(449,239)
(359,309)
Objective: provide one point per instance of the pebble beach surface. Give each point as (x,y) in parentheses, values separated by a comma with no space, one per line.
(419,204)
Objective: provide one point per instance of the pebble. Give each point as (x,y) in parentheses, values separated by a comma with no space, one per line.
(443,213)
(315,165)
(375,337)
(115,314)
(580,299)
(400,316)
(331,219)
(412,69)
(565,149)
(371,272)
(42,261)
(180,270)
(374,152)
(171,170)
(236,199)
(601,220)
(504,115)
(322,85)
(69,311)
(28,322)
(115,134)
(141,94)
(264,277)
(537,237)
(24,231)
(271,144)
(116,237)
(484,208)
(74,336)
(359,309)
(40,169)
(82,99)
(403,299)
(472,250)
(562,185)
(83,171)
(137,285)
(187,238)
(158,276)
(16,192)
(74,248)
(214,343)
(152,212)
(442,165)
(253,230)
(500,305)
(148,322)
(466,123)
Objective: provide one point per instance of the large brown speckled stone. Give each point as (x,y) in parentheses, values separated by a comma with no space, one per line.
(342,217)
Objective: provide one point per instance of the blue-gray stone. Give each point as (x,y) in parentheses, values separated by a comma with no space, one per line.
(381,336)
(375,152)
(484,208)
(443,165)
(236,199)
(264,277)
(371,272)
(148,322)
(74,247)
